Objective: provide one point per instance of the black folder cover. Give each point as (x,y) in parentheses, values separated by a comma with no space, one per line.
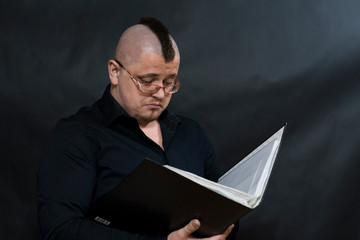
(155,200)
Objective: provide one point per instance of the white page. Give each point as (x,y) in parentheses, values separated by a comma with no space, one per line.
(244,183)
(245,175)
(251,174)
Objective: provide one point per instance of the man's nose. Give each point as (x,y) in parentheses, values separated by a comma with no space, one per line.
(160,93)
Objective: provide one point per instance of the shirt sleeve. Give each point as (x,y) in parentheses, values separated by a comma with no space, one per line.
(66,182)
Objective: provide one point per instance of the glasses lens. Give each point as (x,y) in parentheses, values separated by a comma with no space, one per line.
(149,88)
(171,89)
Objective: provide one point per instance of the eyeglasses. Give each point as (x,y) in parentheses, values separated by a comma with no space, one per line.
(152,88)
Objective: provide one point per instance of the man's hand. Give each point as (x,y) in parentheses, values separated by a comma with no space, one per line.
(185,232)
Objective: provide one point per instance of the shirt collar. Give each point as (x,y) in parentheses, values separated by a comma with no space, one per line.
(112,110)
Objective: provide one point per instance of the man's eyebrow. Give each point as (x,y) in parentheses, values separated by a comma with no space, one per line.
(148,75)
(151,75)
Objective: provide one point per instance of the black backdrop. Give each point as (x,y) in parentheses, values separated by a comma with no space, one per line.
(247,68)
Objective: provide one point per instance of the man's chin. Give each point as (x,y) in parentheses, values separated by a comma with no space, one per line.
(149,118)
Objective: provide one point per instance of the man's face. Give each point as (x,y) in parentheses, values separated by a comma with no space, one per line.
(150,68)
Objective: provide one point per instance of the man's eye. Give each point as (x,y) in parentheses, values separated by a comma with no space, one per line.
(169,82)
(146,81)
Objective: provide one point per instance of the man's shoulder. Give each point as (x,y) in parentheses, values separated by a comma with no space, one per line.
(85,118)
(75,135)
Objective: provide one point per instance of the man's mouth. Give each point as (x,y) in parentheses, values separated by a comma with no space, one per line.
(154,105)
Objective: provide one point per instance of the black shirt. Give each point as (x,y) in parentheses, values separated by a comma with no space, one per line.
(92,151)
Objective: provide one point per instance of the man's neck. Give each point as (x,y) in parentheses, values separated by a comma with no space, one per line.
(153,131)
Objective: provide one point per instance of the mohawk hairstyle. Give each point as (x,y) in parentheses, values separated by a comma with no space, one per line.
(162,34)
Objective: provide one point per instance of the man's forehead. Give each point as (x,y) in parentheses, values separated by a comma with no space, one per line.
(155,63)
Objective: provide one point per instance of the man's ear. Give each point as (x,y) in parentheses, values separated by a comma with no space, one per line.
(113,69)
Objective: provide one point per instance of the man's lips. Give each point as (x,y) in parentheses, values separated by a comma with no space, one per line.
(154,105)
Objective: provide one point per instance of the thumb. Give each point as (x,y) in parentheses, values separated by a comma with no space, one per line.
(191,227)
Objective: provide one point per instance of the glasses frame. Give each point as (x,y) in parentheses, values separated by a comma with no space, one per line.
(139,84)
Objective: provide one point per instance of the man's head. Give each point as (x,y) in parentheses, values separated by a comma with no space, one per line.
(150,55)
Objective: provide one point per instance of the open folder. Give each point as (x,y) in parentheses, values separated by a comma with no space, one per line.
(156,199)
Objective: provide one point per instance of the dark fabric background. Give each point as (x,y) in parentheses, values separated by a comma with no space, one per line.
(247,67)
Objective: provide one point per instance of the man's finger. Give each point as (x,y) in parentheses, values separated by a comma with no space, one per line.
(228,230)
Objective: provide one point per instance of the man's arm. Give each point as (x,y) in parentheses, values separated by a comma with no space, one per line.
(66,183)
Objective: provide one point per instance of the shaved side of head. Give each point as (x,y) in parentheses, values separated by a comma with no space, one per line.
(149,35)
(162,34)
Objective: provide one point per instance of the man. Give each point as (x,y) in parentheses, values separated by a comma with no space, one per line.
(93,150)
